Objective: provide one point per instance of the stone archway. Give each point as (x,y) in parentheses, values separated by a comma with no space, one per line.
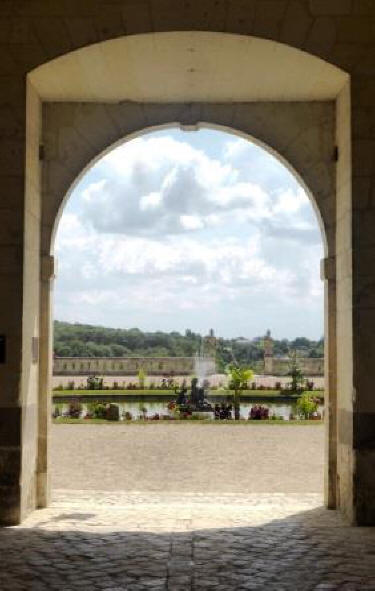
(308,153)
(72,118)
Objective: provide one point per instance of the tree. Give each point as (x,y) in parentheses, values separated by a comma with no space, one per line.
(239,376)
(295,373)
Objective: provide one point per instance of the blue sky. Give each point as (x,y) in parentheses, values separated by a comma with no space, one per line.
(198,230)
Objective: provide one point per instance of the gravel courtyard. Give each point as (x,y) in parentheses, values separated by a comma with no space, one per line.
(189,457)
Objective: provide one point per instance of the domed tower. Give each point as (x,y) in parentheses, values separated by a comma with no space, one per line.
(209,349)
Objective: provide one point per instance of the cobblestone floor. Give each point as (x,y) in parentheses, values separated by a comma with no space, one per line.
(94,540)
(258,522)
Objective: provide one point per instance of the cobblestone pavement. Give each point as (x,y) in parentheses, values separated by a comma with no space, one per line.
(189,457)
(131,541)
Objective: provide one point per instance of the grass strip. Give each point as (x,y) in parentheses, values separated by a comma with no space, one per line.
(69,421)
(256,394)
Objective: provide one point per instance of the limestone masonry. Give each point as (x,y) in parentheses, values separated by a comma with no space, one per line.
(78,77)
(128,366)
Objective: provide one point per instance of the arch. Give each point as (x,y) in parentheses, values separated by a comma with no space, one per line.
(215,126)
(280,97)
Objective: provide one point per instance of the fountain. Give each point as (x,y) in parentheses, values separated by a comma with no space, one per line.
(195,404)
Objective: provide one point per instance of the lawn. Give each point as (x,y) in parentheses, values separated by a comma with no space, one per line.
(69,421)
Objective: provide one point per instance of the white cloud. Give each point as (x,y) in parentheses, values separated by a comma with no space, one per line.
(165,236)
(191,222)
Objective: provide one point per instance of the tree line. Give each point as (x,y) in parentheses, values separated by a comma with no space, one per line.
(84,340)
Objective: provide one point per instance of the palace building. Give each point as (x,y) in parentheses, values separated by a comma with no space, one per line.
(130,366)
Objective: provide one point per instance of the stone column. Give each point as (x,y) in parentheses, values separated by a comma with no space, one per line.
(344,325)
(45,373)
(363,294)
(19,298)
(328,274)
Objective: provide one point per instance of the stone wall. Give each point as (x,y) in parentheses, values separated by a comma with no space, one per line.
(128,366)
(341,32)
(280,366)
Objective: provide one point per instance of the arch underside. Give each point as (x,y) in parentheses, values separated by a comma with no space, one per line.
(188,66)
(299,134)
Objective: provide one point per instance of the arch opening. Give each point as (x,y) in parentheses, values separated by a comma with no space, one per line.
(296,118)
(151,191)
(201,125)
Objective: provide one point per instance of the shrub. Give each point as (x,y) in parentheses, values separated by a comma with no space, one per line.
(59,387)
(56,412)
(259,413)
(74,409)
(278,386)
(98,410)
(112,412)
(128,416)
(70,386)
(306,406)
(142,409)
(94,383)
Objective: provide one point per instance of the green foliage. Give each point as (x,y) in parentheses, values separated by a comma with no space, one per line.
(98,410)
(94,383)
(141,378)
(83,340)
(295,373)
(239,377)
(306,406)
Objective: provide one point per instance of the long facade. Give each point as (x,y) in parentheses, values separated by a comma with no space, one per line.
(129,366)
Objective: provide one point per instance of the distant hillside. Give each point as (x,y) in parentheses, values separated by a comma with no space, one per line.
(84,340)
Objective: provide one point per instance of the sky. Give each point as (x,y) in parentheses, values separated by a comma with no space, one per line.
(179,230)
